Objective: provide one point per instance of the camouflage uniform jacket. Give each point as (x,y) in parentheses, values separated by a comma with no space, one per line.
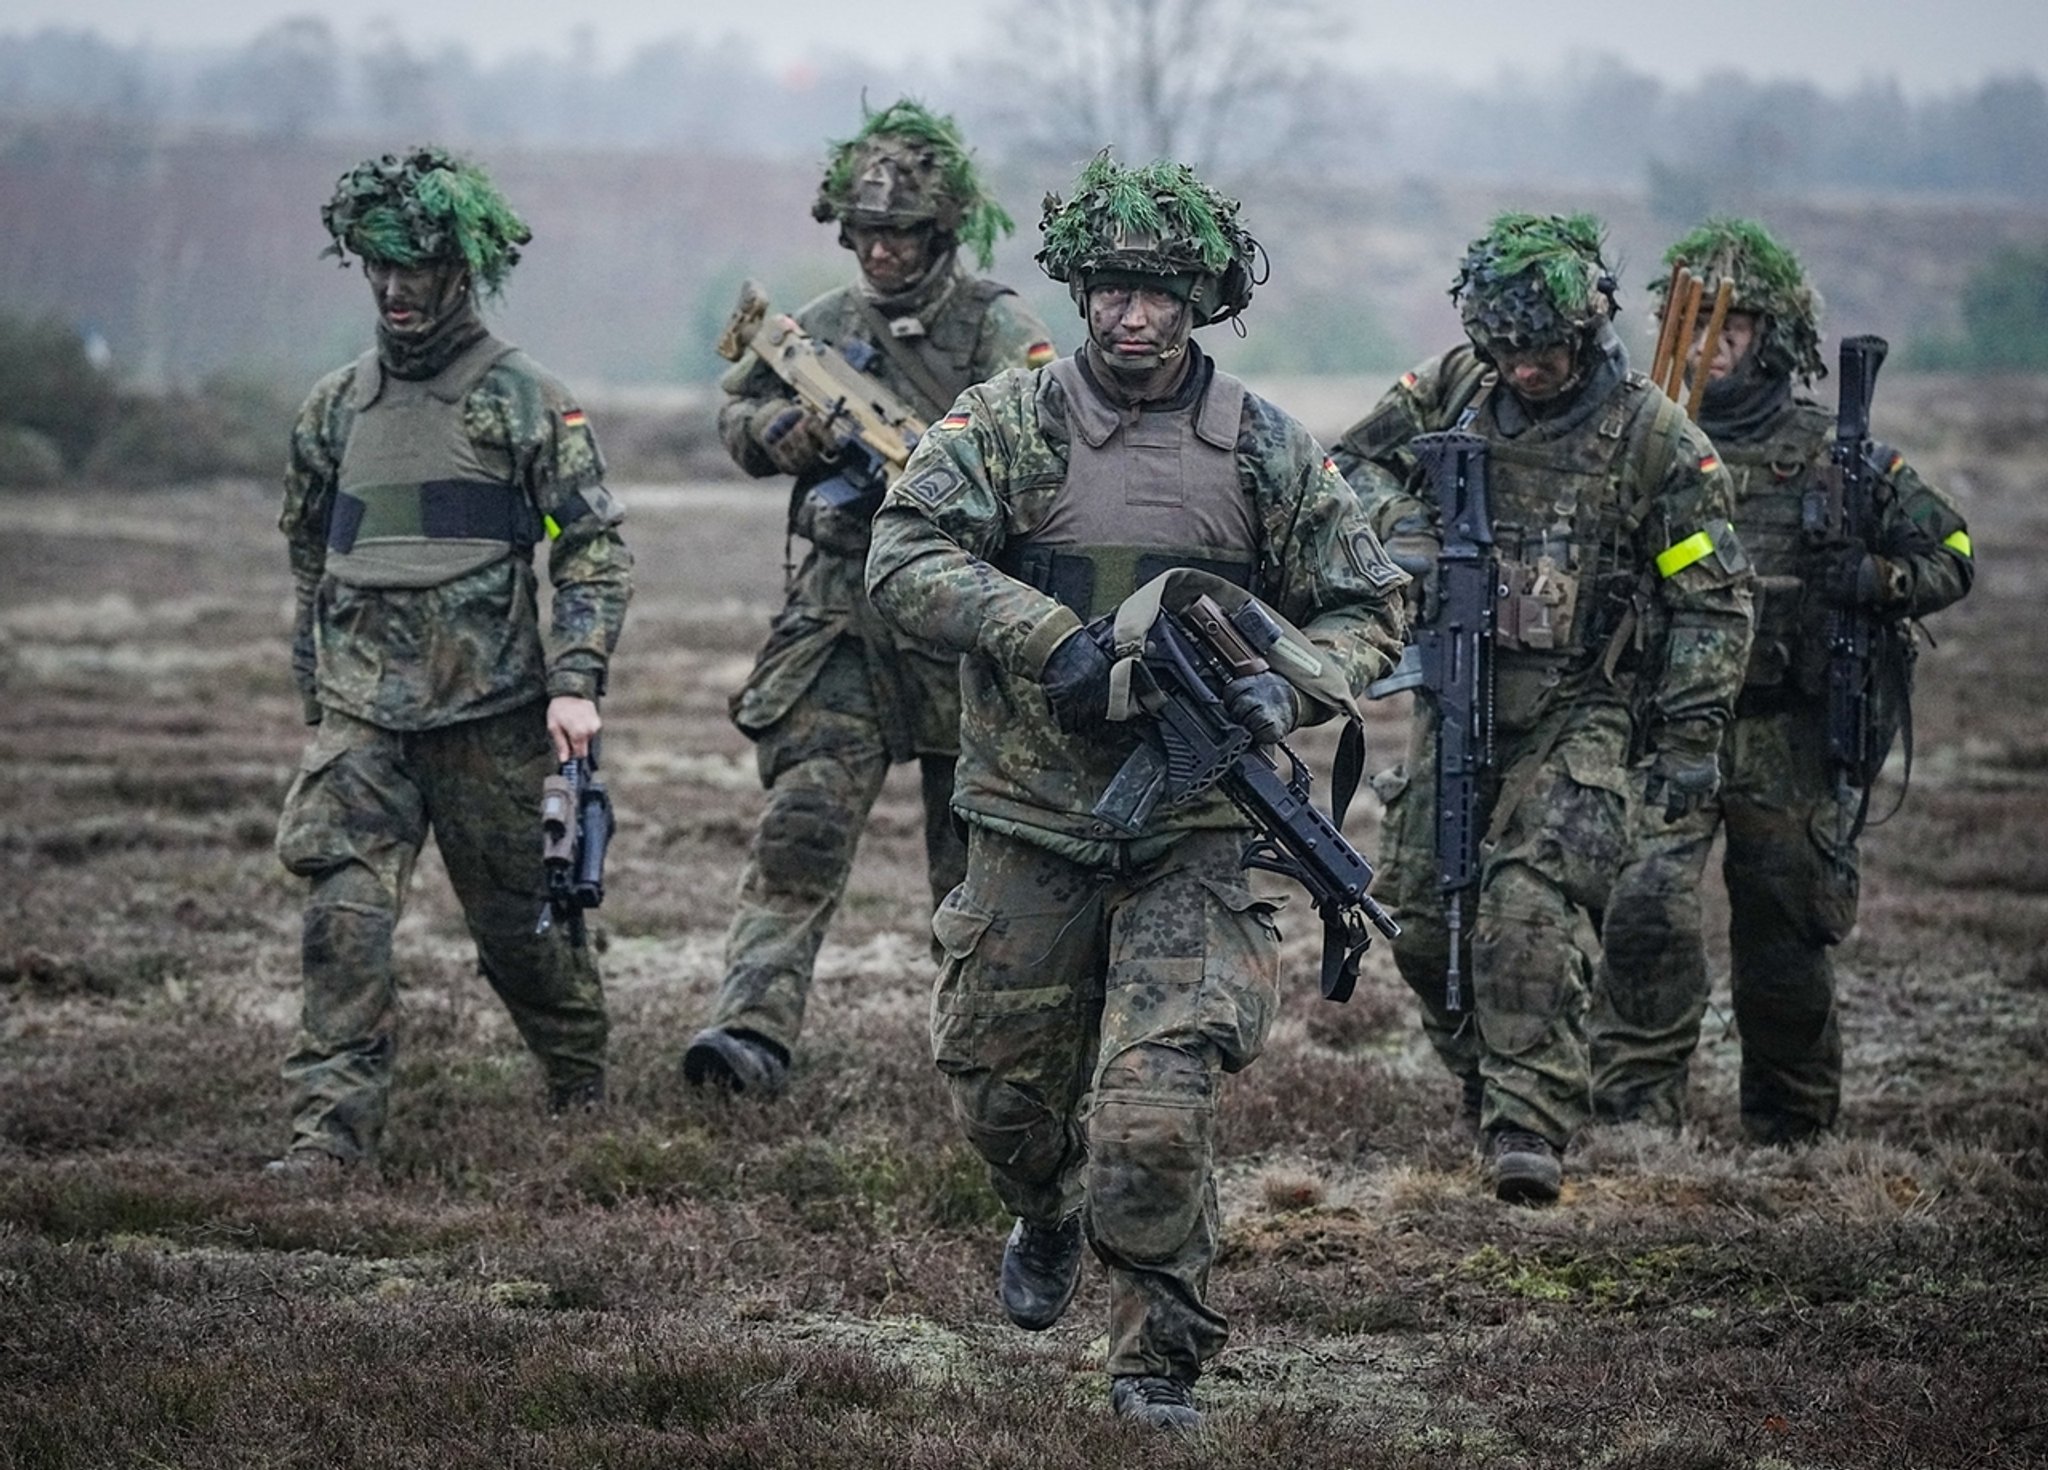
(420,658)
(987,474)
(1921,536)
(1630,502)
(973,330)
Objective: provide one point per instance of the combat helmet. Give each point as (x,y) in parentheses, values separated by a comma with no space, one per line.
(910,166)
(1533,281)
(1768,280)
(421,207)
(1159,221)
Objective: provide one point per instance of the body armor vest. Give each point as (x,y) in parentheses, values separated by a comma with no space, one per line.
(1772,474)
(417,504)
(1143,493)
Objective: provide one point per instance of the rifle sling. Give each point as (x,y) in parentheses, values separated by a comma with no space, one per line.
(907,359)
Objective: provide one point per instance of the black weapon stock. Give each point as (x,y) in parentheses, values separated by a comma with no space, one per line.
(575,831)
(1843,512)
(1194,745)
(1455,644)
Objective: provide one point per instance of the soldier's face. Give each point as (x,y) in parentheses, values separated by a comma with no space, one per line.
(1136,326)
(1536,374)
(891,259)
(1738,335)
(412,298)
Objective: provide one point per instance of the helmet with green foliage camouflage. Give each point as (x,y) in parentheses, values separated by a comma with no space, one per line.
(910,166)
(1157,221)
(1534,280)
(1769,281)
(422,207)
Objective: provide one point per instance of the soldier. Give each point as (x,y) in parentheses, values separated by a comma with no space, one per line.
(1095,990)
(836,696)
(1790,864)
(421,477)
(1623,625)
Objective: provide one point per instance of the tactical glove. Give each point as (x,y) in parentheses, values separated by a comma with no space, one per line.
(1264,704)
(1683,777)
(791,438)
(1076,683)
(1849,576)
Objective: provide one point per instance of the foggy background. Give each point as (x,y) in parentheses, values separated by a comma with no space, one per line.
(160,178)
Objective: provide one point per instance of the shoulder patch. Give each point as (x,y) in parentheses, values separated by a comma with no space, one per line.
(574,418)
(1038,354)
(931,485)
(953,421)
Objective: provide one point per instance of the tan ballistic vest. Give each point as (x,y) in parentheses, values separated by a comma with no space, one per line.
(1143,493)
(416,504)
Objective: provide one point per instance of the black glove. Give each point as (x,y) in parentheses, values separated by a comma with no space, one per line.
(1264,704)
(791,439)
(1076,683)
(1849,576)
(1684,778)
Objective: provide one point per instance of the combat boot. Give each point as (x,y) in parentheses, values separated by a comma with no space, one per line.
(305,1166)
(1526,1166)
(584,1095)
(735,1062)
(1155,1403)
(1041,1268)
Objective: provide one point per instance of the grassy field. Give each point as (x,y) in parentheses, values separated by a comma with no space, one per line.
(684,1282)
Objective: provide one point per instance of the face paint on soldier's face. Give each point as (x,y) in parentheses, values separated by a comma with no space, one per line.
(1738,335)
(891,259)
(1137,327)
(412,299)
(1536,374)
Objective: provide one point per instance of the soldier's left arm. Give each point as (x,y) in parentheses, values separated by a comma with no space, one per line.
(1011,336)
(1321,565)
(1923,542)
(1704,580)
(557,461)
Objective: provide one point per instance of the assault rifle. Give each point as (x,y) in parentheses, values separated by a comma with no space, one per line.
(575,830)
(873,429)
(1451,662)
(1842,511)
(1194,745)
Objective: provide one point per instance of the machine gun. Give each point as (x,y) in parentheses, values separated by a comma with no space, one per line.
(1451,662)
(1194,745)
(874,430)
(1842,511)
(575,831)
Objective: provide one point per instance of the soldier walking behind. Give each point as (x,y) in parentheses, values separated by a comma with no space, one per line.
(837,696)
(1095,989)
(421,478)
(1622,624)
(1791,863)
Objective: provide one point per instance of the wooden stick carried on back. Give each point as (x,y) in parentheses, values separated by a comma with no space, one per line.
(1667,326)
(1709,345)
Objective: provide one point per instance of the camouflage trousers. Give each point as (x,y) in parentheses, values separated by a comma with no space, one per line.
(354,822)
(823,764)
(1792,894)
(1529,940)
(1083,1020)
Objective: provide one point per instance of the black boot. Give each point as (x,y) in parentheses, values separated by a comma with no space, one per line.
(735,1061)
(1155,1403)
(1041,1268)
(1527,1169)
(584,1095)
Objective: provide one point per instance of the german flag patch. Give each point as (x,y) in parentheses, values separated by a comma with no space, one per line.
(1897,460)
(1038,354)
(953,421)
(1409,380)
(574,418)
(1711,463)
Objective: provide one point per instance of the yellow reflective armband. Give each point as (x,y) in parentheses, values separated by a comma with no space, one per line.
(1675,559)
(554,527)
(1959,542)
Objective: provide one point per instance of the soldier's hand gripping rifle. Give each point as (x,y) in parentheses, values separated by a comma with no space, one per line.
(872,429)
(1179,677)
(1842,512)
(1451,662)
(575,831)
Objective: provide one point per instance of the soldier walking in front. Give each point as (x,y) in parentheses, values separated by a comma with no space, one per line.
(421,478)
(837,696)
(1621,625)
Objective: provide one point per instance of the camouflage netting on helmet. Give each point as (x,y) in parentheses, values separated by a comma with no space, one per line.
(1158,220)
(908,166)
(425,206)
(1534,280)
(1768,281)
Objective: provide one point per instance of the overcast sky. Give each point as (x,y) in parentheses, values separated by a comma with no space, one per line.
(1928,45)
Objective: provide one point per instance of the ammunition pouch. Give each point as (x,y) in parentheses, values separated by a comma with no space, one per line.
(1535,608)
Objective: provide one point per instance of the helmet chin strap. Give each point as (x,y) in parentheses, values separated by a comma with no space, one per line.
(1168,354)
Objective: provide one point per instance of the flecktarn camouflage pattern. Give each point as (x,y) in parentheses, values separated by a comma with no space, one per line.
(424,206)
(1534,280)
(908,165)
(1768,280)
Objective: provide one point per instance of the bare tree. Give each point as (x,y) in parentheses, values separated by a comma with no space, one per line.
(1208,83)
